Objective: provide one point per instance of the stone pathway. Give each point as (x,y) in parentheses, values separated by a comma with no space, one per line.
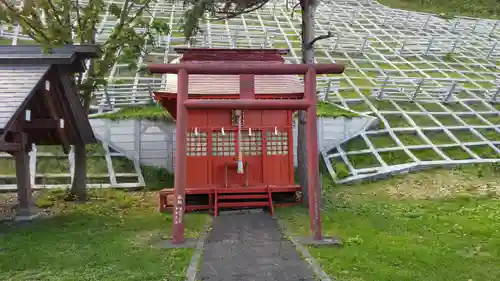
(251,247)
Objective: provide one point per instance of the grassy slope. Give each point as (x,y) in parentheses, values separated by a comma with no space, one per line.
(326,109)
(148,112)
(107,239)
(473,8)
(434,225)
(156,112)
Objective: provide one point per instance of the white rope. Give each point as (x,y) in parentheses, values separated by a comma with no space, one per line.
(240,154)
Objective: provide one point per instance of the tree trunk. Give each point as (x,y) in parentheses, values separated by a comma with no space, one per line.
(308,9)
(79,184)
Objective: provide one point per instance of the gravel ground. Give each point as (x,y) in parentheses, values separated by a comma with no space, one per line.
(251,247)
(8,203)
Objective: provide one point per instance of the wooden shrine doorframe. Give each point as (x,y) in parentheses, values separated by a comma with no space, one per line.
(183,104)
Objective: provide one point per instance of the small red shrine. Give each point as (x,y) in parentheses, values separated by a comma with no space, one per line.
(235,107)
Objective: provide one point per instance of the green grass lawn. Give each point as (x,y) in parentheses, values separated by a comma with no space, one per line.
(431,226)
(476,8)
(107,239)
(5,41)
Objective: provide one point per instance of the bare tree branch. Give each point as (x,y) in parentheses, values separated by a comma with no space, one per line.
(293,9)
(310,45)
(230,15)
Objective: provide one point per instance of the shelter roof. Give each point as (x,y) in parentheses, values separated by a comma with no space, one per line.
(42,83)
(72,55)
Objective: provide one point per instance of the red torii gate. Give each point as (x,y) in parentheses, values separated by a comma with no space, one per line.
(308,103)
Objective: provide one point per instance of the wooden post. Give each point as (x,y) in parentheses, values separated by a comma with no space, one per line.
(25,208)
(180,159)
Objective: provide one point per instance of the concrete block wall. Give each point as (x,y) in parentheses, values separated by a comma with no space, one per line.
(153,142)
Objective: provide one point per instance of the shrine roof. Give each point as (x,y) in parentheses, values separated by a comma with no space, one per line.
(230,84)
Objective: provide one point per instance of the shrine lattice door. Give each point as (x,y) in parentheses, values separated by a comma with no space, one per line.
(224,153)
(278,165)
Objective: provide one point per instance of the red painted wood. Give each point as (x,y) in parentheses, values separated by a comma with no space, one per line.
(243,196)
(168,100)
(247,104)
(216,194)
(224,54)
(180,160)
(253,119)
(210,178)
(217,119)
(312,156)
(251,189)
(267,173)
(197,118)
(200,176)
(291,173)
(191,208)
(270,201)
(265,161)
(216,68)
(161,96)
(247,86)
(243,204)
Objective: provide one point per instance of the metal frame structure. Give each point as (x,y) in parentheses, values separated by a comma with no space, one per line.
(109,178)
(371,35)
(376,43)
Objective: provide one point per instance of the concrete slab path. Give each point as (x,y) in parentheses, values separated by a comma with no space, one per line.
(250,247)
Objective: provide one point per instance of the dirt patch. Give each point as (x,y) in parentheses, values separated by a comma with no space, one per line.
(481,180)
(441,184)
(148,238)
(442,189)
(8,204)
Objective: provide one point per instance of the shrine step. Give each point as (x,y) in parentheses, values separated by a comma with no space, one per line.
(250,190)
(243,204)
(242,196)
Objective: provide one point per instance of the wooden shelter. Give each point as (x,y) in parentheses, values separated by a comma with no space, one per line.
(39,105)
(233,109)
